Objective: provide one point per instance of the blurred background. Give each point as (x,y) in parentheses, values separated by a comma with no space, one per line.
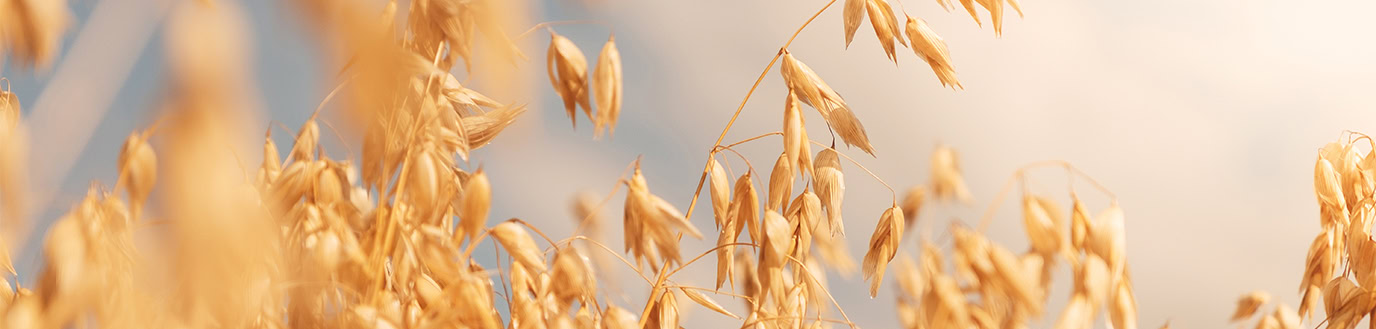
(1203,118)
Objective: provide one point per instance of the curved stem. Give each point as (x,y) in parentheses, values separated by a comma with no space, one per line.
(780,133)
(749,168)
(583,223)
(614,253)
(709,252)
(892,193)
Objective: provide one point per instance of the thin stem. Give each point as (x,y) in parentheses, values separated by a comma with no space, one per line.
(998,198)
(780,133)
(1020,175)
(537,231)
(614,253)
(582,224)
(554,23)
(751,299)
(805,270)
(749,168)
(892,193)
(330,96)
(708,252)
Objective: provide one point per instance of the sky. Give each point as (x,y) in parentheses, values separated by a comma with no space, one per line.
(1202,118)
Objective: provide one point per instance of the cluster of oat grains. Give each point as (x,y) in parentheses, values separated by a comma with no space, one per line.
(386,240)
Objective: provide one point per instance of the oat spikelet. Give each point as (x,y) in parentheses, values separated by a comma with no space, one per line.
(1248,305)
(474,207)
(745,204)
(830,184)
(1043,225)
(481,129)
(947,182)
(719,188)
(1079,223)
(932,49)
(795,135)
(607,84)
(883,245)
(885,26)
(851,16)
(568,71)
(816,93)
(1122,308)
(706,301)
(519,245)
(573,273)
(780,183)
(33,30)
(912,203)
(138,165)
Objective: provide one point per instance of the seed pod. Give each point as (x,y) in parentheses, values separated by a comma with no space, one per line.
(1092,280)
(883,245)
(518,243)
(780,183)
(568,71)
(473,210)
(607,83)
